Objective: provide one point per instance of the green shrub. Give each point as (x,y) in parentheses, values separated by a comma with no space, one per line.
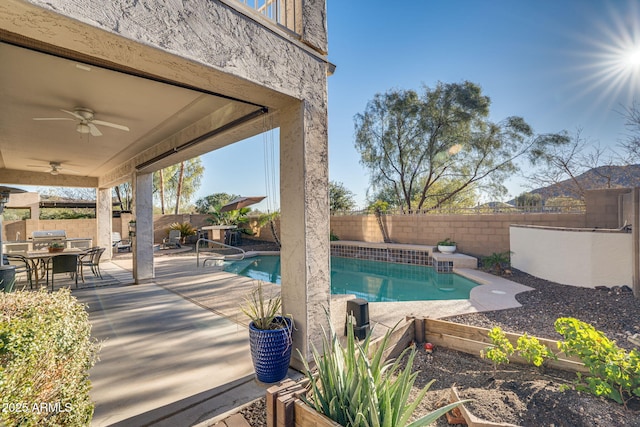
(185,229)
(355,390)
(45,355)
(614,372)
(500,351)
(497,261)
(531,350)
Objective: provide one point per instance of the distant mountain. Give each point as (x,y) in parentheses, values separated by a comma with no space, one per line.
(600,177)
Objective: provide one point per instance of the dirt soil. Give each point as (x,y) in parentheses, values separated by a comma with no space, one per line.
(524,395)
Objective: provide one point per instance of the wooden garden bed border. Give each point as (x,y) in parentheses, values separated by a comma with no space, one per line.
(285,409)
(472,339)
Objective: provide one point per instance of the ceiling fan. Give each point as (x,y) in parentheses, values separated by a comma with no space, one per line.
(86,121)
(54,168)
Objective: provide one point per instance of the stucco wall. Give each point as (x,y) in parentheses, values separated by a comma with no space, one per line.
(214,34)
(583,258)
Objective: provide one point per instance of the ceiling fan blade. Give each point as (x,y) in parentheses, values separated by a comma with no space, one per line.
(94,130)
(51,118)
(73,113)
(111,125)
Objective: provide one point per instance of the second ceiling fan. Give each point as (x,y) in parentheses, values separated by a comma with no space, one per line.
(86,121)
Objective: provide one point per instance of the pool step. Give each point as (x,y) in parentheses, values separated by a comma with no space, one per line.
(445,263)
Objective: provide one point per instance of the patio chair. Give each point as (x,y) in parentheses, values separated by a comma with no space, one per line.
(23,265)
(173,241)
(118,244)
(63,264)
(91,259)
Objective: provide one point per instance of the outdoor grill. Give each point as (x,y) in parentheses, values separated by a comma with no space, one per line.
(41,239)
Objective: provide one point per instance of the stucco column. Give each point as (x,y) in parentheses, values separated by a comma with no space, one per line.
(635,239)
(142,243)
(104,215)
(304,226)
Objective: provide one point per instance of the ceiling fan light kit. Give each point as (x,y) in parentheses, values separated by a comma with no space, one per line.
(86,121)
(83,128)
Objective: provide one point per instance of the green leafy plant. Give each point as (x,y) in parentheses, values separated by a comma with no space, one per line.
(46,352)
(265,312)
(534,352)
(9,286)
(446,242)
(333,237)
(378,207)
(497,261)
(501,349)
(185,229)
(56,245)
(614,372)
(355,390)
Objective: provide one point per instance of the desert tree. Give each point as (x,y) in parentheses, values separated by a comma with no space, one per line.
(572,168)
(178,183)
(412,141)
(340,197)
(631,144)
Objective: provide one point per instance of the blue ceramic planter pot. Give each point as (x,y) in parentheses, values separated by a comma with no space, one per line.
(271,351)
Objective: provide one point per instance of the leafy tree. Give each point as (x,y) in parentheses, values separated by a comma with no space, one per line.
(124,194)
(213,202)
(340,198)
(178,183)
(528,200)
(411,142)
(439,196)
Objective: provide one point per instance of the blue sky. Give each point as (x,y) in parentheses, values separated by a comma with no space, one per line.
(560,64)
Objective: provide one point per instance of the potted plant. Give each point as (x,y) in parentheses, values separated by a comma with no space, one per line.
(269,335)
(447,246)
(56,247)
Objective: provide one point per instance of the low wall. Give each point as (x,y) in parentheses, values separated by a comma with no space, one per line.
(478,235)
(577,257)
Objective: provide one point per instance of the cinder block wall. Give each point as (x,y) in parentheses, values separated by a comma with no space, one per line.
(475,234)
(161,223)
(604,207)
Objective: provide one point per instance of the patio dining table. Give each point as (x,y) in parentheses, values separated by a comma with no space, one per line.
(40,259)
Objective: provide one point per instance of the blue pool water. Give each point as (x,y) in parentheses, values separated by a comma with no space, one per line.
(372,280)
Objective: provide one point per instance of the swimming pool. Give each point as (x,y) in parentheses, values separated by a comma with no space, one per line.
(372,280)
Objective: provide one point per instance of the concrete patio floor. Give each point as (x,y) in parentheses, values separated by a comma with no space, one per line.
(176,351)
(164,360)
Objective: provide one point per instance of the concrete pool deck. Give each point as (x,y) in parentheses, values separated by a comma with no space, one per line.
(176,351)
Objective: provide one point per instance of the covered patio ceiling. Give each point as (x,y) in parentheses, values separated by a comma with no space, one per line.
(167,122)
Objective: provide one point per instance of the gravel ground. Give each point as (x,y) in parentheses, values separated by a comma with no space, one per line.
(522,395)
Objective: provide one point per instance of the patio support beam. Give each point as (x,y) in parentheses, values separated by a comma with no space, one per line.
(142,243)
(104,213)
(304,226)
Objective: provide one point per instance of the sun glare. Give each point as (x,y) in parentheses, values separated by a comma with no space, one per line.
(611,57)
(633,58)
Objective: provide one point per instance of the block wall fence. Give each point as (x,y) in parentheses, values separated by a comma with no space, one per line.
(481,234)
(478,235)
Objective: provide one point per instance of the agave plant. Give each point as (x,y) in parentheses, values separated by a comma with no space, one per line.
(354,390)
